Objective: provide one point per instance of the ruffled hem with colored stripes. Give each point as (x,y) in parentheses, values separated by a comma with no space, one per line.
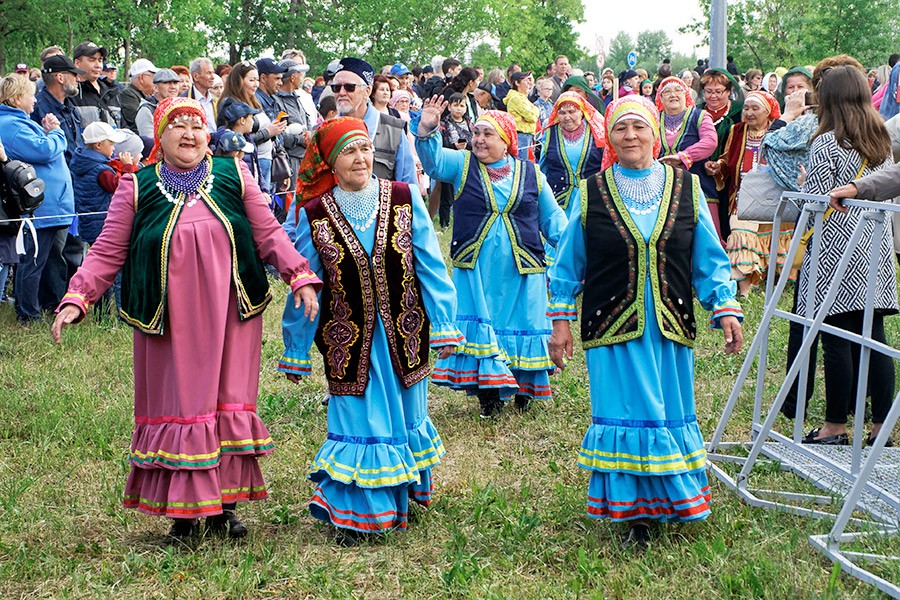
(189,494)
(198,442)
(369,510)
(643,447)
(670,498)
(748,261)
(373,462)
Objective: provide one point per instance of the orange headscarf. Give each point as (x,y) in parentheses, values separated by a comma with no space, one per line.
(668,82)
(632,106)
(768,102)
(165,114)
(594,119)
(316,175)
(505,126)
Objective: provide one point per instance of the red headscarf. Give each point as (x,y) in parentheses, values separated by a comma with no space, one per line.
(632,106)
(670,81)
(767,100)
(505,126)
(165,114)
(316,175)
(593,118)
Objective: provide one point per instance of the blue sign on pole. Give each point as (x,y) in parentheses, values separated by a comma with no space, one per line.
(632,58)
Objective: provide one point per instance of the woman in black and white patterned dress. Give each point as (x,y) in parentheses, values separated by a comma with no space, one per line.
(851,141)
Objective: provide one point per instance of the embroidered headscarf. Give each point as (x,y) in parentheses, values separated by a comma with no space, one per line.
(316,176)
(767,101)
(165,115)
(673,82)
(591,115)
(505,126)
(630,107)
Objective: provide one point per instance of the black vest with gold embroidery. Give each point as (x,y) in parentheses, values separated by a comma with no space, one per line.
(357,290)
(617,262)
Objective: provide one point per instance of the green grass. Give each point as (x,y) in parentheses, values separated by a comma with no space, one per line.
(508,520)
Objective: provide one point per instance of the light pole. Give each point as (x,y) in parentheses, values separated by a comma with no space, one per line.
(717,33)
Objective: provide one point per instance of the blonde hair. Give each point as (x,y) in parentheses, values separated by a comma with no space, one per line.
(13,87)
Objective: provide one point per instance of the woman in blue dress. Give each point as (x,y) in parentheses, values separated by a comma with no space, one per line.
(644,242)
(502,208)
(387,298)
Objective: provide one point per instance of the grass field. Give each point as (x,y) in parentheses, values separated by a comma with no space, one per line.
(508,520)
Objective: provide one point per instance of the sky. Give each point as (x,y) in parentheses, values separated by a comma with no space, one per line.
(608,17)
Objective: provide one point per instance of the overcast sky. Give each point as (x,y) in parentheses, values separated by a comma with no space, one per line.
(607,18)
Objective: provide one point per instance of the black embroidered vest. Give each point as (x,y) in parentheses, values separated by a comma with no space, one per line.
(617,262)
(359,289)
(561,176)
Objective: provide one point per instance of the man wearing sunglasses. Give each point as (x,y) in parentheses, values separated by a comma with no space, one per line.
(351,87)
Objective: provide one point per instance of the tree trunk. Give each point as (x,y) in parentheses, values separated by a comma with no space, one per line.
(126,45)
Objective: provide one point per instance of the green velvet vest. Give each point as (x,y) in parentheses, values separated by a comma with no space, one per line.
(145,272)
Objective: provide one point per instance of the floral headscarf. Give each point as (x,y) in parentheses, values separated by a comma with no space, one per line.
(670,82)
(630,107)
(593,118)
(316,175)
(767,101)
(505,126)
(165,115)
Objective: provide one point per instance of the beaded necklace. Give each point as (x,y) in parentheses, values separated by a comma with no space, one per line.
(641,195)
(673,123)
(572,138)
(177,186)
(359,207)
(499,173)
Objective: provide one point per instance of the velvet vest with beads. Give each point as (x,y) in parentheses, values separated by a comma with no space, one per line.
(563,177)
(358,289)
(688,135)
(475,210)
(145,272)
(618,262)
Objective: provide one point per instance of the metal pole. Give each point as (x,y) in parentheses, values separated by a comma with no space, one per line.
(718,12)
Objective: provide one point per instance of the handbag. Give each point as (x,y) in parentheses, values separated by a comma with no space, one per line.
(804,241)
(759,196)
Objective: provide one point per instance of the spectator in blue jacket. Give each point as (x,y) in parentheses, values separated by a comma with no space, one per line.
(60,86)
(44,147)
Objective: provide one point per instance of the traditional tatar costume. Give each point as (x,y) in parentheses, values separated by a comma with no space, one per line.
(387,299)
(500,213)
(643,240)
(190,246)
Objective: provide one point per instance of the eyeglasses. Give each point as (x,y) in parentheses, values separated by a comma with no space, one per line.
(719,92)
(350,87)
(672,92)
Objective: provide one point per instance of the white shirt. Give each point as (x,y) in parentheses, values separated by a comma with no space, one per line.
(208,103)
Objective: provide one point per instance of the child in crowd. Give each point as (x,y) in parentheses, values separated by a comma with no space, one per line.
(456,127)
(95,176)
(232,143)
(328,108)
(543,102)
(238,118)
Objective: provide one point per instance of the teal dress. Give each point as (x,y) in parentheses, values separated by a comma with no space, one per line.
(501,313)
(643,448)
(381,446)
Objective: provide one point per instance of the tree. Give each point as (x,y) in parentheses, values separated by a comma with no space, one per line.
(654,46)
(619,47)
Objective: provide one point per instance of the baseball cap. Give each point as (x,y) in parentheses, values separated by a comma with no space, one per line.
(166,76)
(292,66)
(110,67)
(21,68)
(399,69)
(141,65)
(89,49)
(232,141)
(99,131)
(268,66)
(236,110)
(60,63)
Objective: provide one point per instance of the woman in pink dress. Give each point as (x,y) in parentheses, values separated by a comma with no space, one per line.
(190,234)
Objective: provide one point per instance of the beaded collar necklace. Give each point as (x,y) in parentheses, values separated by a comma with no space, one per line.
(641,195)
(360,207)
(573,137)
(499,173)
(176,186)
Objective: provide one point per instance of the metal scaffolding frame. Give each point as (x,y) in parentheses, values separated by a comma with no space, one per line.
(855,478)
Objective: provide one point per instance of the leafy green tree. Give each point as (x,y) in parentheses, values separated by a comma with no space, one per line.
(653,46)
(619,47)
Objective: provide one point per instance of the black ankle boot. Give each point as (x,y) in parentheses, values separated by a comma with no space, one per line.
(523,402)
(183,531)
(490,402)
(226,523)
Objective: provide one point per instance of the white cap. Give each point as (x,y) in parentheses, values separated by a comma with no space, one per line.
(141,65)
(99,131)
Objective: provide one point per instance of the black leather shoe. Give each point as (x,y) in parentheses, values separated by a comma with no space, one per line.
(183,531)
(841,439)
(637,536)
(523,402)
(871,441)
(226,523)
(490,403)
